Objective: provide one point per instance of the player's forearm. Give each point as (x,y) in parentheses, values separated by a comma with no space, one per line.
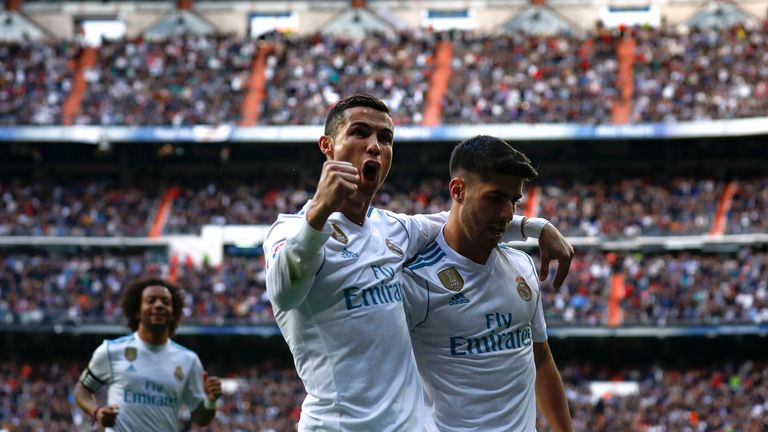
(85,399)
(550,396)
(291,274)
(520,228)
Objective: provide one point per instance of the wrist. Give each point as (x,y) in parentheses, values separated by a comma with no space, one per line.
(210,405)
(95,415)
(317,215)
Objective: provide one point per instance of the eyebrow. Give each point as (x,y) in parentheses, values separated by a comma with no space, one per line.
(370,126)
(502,193)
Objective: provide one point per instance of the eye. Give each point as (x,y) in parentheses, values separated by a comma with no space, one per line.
(360,132)
(385,138)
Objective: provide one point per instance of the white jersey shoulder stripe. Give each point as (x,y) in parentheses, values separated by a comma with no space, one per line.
(425,254)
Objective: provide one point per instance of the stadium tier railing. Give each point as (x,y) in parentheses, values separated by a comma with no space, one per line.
(276,134)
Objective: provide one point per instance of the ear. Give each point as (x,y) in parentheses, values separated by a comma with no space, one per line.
(457,188)
(326,146)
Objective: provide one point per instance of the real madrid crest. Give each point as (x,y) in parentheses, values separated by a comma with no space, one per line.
(338,234)
(178,374)
(130,353)
(451,279)
(393,247)
(523,289)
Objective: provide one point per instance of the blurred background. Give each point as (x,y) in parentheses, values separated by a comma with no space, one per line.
(161,138)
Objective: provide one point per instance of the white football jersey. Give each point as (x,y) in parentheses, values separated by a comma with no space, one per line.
(349,337)
(473,327)
(148,382)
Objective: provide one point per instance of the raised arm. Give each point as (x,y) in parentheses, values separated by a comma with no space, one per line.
(295,250)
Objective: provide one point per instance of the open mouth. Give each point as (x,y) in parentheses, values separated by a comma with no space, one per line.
(370,171)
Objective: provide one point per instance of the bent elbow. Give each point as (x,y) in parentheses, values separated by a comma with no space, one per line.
(281,298)
(283,303)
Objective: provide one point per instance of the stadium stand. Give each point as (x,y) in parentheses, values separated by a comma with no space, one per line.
(659,326)
(722,396)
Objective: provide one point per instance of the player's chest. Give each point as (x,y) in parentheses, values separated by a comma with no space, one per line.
(150,373)
(362,257)
(498,299)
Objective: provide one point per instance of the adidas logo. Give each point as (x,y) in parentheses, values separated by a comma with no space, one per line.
(131,368)
(458,299)
(348,254)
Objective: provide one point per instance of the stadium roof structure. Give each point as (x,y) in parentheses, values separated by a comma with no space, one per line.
(14,26)
(179,22)
(357,23)
(539,20)
(719,14)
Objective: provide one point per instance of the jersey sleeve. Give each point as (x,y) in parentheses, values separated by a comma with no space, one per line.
(99,370)
(294,254)
(415,298)
(194,392)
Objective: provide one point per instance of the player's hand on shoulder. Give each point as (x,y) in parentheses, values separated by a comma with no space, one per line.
(553,246)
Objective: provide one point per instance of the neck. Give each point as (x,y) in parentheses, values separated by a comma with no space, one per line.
(458,239)
(356,211)
(154,338)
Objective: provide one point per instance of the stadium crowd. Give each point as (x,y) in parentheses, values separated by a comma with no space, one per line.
(659,288)
(662,289)
(700,73)
(47,288)
(183,80)
(726,396)
(35,79)
(749,208)
(679,75)
(78,208)
(307,74)
(628,207)
(531,79)
(611,207)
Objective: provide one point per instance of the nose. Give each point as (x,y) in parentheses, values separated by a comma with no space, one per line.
(508,210)
(373,147)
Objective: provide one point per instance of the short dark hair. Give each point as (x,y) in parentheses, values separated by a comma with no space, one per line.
(336,115)
(486,155)
(131,301)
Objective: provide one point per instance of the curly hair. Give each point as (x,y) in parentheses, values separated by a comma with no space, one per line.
(131,302)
